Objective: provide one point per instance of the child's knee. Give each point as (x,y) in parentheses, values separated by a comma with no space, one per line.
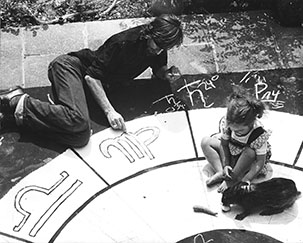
(205,142)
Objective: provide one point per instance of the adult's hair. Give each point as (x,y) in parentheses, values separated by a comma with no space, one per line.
(242,107)
(165,30)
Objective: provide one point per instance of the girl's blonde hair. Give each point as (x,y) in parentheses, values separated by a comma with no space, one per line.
(242,107)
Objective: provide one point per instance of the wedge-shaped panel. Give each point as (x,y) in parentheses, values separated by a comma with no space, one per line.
(205,122)
(108,218)
(40,203)
(286,137)
(149,141)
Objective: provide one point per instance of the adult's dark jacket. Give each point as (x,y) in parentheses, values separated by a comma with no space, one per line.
(122,57)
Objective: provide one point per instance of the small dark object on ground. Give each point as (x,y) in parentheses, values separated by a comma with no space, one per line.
(200,209)
(270,197)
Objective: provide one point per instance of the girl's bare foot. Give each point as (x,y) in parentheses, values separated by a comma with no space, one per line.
(216,178)
(224,185)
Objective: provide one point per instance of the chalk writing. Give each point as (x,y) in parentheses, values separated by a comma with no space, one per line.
(200,239)
(174,104)
(197,87)
(262,91)
(40,219)
(130,144)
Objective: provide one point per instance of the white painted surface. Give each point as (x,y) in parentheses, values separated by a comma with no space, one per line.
(150,141)
(40,203)
(205,122)
(154,192)
(287,135)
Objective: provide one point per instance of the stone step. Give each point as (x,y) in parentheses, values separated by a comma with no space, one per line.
(215,43)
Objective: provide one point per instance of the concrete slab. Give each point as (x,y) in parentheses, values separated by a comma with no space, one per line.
(204,122)
(182,190)
(141,146)
(287,135)
(99,31)
(280,89)
(228,31)
(35,70)
(122,181)
(194,59)
(136,193)
(40,202)
(103,223)
(289,44)
(56,39)
(11,58)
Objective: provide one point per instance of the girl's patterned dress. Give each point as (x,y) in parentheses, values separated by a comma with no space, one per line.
(257,139)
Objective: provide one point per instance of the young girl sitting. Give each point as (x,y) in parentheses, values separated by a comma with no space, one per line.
(242,150)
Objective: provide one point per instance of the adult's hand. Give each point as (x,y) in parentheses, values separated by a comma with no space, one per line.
(116,121)
(172,74)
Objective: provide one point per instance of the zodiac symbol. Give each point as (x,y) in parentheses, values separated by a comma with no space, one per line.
(131,142)
(44,217)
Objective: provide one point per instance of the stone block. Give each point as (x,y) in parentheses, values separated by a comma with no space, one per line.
(195,29)
(289,44)
(193,59)
(35,70)
(10,60)
(99,31)
(243,41)
(56,39)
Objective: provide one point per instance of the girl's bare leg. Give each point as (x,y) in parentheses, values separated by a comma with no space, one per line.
(211,148)
(243,165)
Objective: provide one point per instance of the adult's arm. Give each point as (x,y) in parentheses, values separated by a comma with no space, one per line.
(114,118)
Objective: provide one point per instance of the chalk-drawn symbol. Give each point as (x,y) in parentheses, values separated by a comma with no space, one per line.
(174,104)
(262,91)
(127,143)
(50,210)
(194,88)
(200,239)
(268,96)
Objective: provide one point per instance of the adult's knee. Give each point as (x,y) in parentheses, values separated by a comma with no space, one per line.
(80,132)
(81,139)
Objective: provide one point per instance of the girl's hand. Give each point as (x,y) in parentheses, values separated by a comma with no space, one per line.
(227,171)
(116,121)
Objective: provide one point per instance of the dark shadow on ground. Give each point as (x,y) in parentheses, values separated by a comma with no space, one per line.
(229,236)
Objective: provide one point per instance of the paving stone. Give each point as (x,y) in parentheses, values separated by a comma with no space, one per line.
(280,89)
(56,39)
(193,59)
(243,41)
(195,29)
(289,44)
(100,31)
(35,70)
(10,59)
